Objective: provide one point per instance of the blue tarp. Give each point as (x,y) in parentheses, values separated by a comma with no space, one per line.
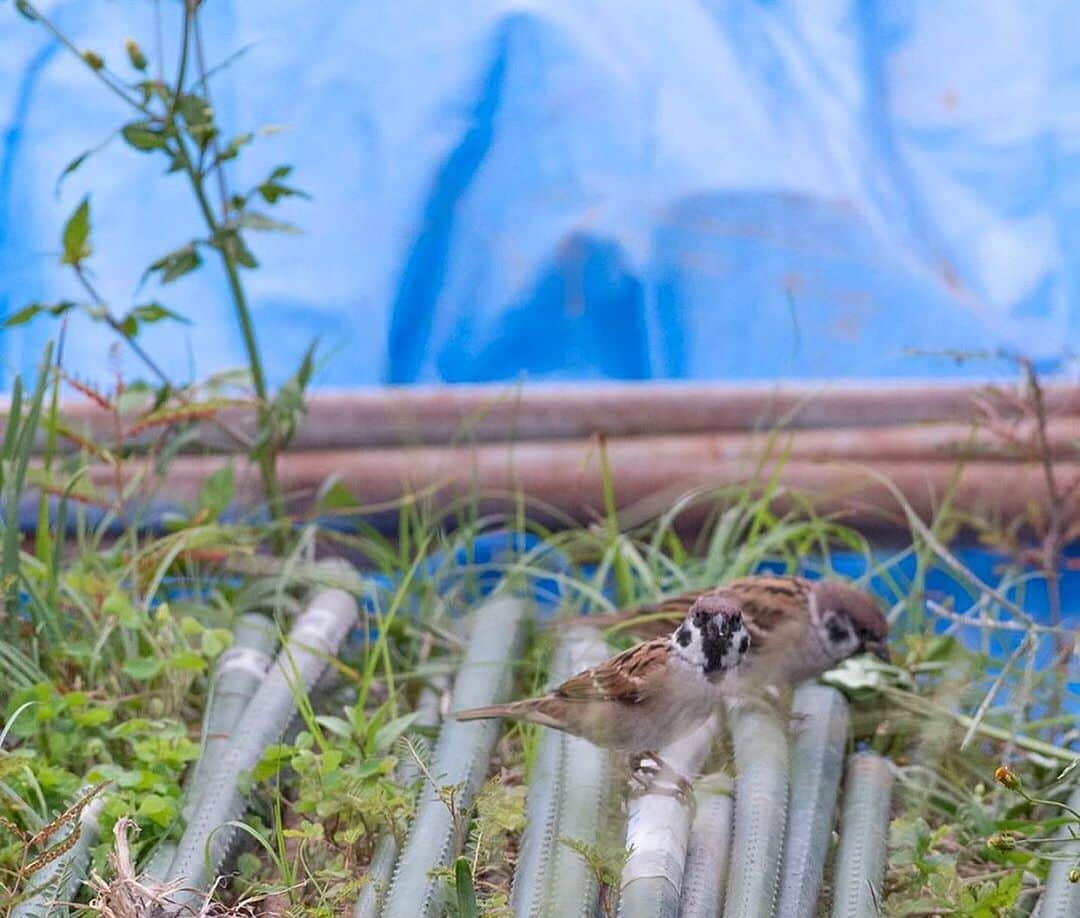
(584,189)
(474,572)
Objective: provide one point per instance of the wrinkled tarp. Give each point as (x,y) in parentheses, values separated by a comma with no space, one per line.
(583,189)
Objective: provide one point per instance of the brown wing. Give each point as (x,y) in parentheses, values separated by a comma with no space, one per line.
(768,601)
(625,677)
(654,619)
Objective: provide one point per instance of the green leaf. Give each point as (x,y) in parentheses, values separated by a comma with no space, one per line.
(243,254)
(27,313)
(215,641)
(335,725)
(230,243)
(272,761)
(158,809)
(24,315)
(73,165)
(24,8)
(176,263)
(253,220)
(119,605)
(336,497)
(331,761)
(376,765)
(466,893)
(143,136)
(93,717)
(155,312)
(143,668)
(217,492)
(199,117)
(1002,897)
(234,146)
(272,189)
(188,661)
(387,734)
(146,314)
(76,238)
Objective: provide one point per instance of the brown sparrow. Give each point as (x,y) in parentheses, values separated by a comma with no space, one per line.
(798,628)
(649,695)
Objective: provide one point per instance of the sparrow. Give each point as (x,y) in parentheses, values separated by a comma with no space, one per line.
(798,628)
(647,696)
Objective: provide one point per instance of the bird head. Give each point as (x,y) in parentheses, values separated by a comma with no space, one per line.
(713,635)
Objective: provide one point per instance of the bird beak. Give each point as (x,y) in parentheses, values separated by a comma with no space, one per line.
(880,650)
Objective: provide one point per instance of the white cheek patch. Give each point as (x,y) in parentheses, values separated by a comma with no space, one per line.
(692,651)
(740,644)
(840,637)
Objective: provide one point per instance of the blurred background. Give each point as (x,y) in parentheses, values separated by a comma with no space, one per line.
(580,190)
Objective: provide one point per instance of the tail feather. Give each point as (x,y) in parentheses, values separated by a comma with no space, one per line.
(513,709)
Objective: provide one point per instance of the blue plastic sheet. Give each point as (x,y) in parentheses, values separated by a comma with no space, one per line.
(545,574)
(582,189)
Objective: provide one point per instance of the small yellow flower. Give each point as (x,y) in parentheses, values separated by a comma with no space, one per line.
(1007,777)
(1001,841)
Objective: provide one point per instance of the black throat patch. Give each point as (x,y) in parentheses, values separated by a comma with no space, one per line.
(717,635)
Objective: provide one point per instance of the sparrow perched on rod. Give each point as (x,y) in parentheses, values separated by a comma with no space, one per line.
(798,628)
(649,695)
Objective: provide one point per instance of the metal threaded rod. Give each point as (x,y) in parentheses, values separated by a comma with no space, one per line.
(237,675)
(57,883)
(864,827)
(314,638)
(1062,897)
(460,760)
(658,833)
(569,795)
(709,850)
(817,764)
(381,869)
(761,795)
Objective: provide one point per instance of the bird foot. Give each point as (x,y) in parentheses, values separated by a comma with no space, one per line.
(650,774)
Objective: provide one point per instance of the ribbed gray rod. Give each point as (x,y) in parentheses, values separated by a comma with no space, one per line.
(864,830)
(820,727)
(313,640)
(569,794)
(461,758)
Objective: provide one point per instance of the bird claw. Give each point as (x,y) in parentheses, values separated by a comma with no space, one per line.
(652,775)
